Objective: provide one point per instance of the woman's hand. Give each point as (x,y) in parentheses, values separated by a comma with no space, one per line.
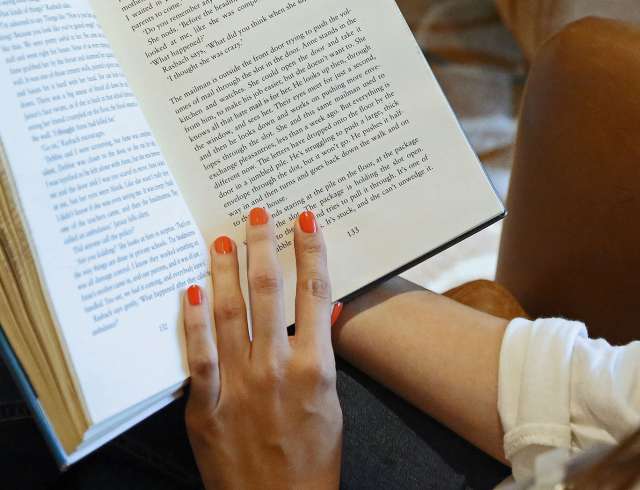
(264,414)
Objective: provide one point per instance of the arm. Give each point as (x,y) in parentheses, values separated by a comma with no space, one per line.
(441,356)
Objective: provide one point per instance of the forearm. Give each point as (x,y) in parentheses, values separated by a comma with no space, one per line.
(437,354)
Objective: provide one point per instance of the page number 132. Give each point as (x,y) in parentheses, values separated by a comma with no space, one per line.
(353,232)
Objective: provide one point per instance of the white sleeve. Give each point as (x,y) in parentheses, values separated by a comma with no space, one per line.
(605,392)
(559,389)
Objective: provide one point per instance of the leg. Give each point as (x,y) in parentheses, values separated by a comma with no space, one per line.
(533,22)
(388,444)
(21,445)
(570,244)
(392,445)
(154,455)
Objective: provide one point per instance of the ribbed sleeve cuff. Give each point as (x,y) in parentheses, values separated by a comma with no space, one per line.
(535,386)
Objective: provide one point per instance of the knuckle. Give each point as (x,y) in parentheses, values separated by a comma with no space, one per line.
(314,248)
(265,282)
(238,398)
(197,327)
(317,373)
(226,268)
(260,237)
(192,421)
(201,425)
(228,311)
(203,367)
(268,376)
(317,286)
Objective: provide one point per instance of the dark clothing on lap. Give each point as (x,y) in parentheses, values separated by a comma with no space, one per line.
(387,444)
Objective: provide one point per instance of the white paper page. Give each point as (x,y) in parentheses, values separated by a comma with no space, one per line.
(114,240)
(293,104)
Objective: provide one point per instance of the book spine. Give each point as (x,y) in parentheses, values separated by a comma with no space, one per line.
(30,397)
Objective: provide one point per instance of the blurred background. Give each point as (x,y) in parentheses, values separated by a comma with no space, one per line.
(480,51)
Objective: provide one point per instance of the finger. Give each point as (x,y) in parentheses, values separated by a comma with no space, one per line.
(313,291)
(265,285)
(202,354)
(336,312)
(229,310)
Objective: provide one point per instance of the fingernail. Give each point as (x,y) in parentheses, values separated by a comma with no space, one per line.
(194,293)
(223,245)
(308,222)
(336,312)
(258,217)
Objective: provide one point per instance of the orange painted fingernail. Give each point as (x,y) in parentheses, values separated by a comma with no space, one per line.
(336,312)
(308,222)
(194,294)
(223,245)
(258,217)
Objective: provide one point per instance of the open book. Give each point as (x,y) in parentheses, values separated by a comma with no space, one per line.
(124,153)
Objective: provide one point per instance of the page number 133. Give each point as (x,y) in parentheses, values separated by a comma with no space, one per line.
(353,232)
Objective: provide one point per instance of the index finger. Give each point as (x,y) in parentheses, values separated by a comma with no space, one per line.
(202,353)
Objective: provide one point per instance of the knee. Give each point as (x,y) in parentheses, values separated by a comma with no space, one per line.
(587,73)
(590,49)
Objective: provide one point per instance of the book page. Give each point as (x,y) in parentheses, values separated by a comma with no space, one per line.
(113,238)
(325,105)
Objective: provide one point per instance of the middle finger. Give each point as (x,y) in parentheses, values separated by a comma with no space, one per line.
(265,284)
